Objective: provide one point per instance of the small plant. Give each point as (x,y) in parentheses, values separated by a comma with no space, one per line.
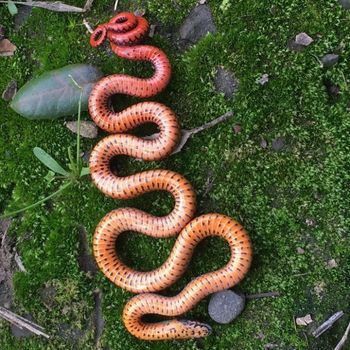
(75,168)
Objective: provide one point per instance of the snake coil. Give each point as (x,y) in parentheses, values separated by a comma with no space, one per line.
(124,31)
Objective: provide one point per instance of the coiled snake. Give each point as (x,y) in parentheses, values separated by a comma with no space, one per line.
(124,31)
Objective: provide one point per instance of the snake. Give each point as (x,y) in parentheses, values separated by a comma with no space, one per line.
(124,33)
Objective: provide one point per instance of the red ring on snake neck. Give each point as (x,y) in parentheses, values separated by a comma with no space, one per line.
(98,36)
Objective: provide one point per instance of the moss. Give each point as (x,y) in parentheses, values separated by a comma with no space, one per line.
(274,194)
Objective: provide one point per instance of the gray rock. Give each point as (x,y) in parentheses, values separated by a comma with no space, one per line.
(329,60)
(278,143)
(345,4)
(226,82)
(197,24)
(303,39)
(22,333)
(225,306)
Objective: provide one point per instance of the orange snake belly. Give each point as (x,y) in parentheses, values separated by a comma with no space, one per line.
(124,31)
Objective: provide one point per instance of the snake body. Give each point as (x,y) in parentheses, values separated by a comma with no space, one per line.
(124,31)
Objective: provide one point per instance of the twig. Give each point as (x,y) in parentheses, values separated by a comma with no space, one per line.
(327,324)
(22,323)
(19,262)
(186,134)
(344,338)
(115,5)
(263,295)
(301,274)
(57,6)
(87,25)
(88,5)
(212,123)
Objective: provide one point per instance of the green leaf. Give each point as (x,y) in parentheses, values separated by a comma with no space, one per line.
(54,94)
(12,7)
(49,176)
(85,171)
(48,161)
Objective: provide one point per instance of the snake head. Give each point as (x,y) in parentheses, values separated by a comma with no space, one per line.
(98,36)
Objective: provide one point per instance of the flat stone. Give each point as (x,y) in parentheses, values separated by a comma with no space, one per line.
(329,60)
(197,24)
(303,39)
(225,306)
(345,4)
(226,82)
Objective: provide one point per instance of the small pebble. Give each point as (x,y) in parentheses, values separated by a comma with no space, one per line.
(152,30)
(85,156)
(329,60)
(87,129)
(140,12)
(310,222)
(304,321)
(263,80)
(225,306)
(263,143)
(303,39)
(332,264)
(278,143)
(237,128)
(300,250)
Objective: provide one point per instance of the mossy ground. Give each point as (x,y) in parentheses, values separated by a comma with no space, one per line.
(274,194)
